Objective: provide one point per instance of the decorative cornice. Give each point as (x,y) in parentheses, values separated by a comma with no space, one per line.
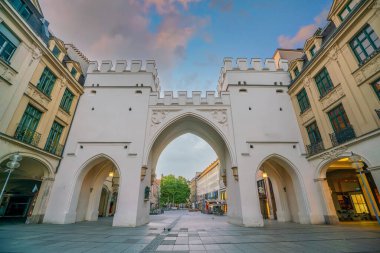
(367,70)
(37,96)
(333,96)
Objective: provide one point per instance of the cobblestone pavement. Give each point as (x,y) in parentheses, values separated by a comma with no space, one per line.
(189,232)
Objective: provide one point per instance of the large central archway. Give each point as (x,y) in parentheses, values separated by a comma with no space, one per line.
(209,132)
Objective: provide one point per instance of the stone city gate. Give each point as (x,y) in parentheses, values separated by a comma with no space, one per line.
(122,125)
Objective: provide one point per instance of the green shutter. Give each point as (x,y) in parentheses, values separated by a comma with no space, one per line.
(338,119)
(303,100)
(365,43)
(67,100)
(324,83)
(28,124)
(46,82)
(54,136)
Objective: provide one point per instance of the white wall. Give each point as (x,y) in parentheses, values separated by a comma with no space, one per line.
(131,129)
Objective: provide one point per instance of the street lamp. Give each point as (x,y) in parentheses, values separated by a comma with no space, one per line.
(11,165)
(358,164)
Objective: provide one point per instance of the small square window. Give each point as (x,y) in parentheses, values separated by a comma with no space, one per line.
(56,52)
(296,71)
(74,72)
(313,51)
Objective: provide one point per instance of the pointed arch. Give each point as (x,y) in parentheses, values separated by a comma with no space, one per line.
(86,185)
(289,182)
(188,123)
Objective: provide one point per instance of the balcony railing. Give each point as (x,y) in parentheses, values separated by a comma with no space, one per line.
(55,149)
(314,148)
(342,136)
(27,135)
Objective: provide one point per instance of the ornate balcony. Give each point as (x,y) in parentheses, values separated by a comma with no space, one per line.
(314,148)
(55,149)
(342,136)
(27,135)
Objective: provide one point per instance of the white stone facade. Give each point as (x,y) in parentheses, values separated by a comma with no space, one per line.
(122,120)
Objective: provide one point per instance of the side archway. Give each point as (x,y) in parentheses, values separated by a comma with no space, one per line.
(348,189)
(98,173)
(281,190)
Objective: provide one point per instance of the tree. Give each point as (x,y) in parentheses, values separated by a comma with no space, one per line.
(174,190)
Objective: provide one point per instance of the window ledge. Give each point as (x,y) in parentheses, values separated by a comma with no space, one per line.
(367,69)
(64,111)
(7,72)
(332,96)
(306,117)
(37,96)
(305,111)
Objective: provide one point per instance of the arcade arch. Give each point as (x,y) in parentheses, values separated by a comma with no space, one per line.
(348,194)
(27,190)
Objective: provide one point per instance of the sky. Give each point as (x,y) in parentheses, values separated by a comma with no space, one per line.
(188,39)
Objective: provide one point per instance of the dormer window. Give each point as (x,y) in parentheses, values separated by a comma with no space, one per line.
(74,72)
(296,72)
(21,8)
(56,51)
(350,6)
(313,51)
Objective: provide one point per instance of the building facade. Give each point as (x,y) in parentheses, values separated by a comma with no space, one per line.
(258,124)
(130,141)
(40,86)
(193,192)
(210,188)
(335,92)
(155,195)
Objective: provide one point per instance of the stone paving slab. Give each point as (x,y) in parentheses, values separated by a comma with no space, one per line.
(189,232)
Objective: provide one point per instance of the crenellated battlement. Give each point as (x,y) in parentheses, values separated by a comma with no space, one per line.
(252,72)
(254,64)
(107,66)
(182,98)
(127,68)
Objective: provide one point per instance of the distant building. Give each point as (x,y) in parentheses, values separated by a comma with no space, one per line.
(193,191)
(155,194)
(40,86)
(210,189)
(286,54)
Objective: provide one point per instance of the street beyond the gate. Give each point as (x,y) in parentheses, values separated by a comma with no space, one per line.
(189,232)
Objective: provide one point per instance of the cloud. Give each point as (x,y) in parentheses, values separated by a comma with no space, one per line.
(122,29)
(168,6)
(303,33)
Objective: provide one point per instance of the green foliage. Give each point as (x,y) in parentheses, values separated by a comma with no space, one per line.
(174,189)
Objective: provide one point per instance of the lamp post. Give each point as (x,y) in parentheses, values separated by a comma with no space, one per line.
(355,159)
(11,165)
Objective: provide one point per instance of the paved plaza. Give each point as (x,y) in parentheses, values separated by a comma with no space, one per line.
(189,232)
